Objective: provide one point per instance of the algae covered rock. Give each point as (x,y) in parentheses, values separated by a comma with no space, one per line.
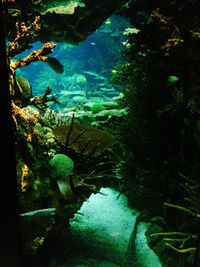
(61,20)
(97,107)
(61,166)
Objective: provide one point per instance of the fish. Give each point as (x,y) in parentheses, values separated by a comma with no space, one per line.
(55,64)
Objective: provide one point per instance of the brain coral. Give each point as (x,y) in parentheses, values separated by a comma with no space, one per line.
(61,166)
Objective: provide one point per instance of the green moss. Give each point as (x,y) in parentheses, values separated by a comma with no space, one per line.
(61,166)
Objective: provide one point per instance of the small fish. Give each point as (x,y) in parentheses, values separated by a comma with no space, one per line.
(93,43)
(55,64)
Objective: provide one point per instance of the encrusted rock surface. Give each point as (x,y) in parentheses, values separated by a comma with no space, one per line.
(70,21)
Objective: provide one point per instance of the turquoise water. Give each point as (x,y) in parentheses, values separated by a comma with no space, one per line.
(87,66)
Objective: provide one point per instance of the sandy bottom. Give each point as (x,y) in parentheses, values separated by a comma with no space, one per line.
(146,257)
(101,234)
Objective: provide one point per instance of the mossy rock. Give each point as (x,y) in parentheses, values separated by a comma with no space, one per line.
(61,166)
(97,107)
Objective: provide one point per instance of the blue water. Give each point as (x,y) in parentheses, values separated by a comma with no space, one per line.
(86,65)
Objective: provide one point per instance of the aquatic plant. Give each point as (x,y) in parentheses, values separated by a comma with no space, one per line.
(183,240)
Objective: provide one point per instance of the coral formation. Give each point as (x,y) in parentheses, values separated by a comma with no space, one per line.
(61,20)
(61,166)
(84,138)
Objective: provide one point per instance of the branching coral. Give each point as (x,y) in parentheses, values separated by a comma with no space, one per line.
(24,36)
(172,43)
(167,25)
(17,112)
(40,54)
(41,101)
(161,19)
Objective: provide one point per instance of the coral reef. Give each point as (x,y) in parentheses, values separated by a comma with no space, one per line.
(39,142)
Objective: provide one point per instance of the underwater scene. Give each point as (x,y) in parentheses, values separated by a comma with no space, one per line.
(104,99)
